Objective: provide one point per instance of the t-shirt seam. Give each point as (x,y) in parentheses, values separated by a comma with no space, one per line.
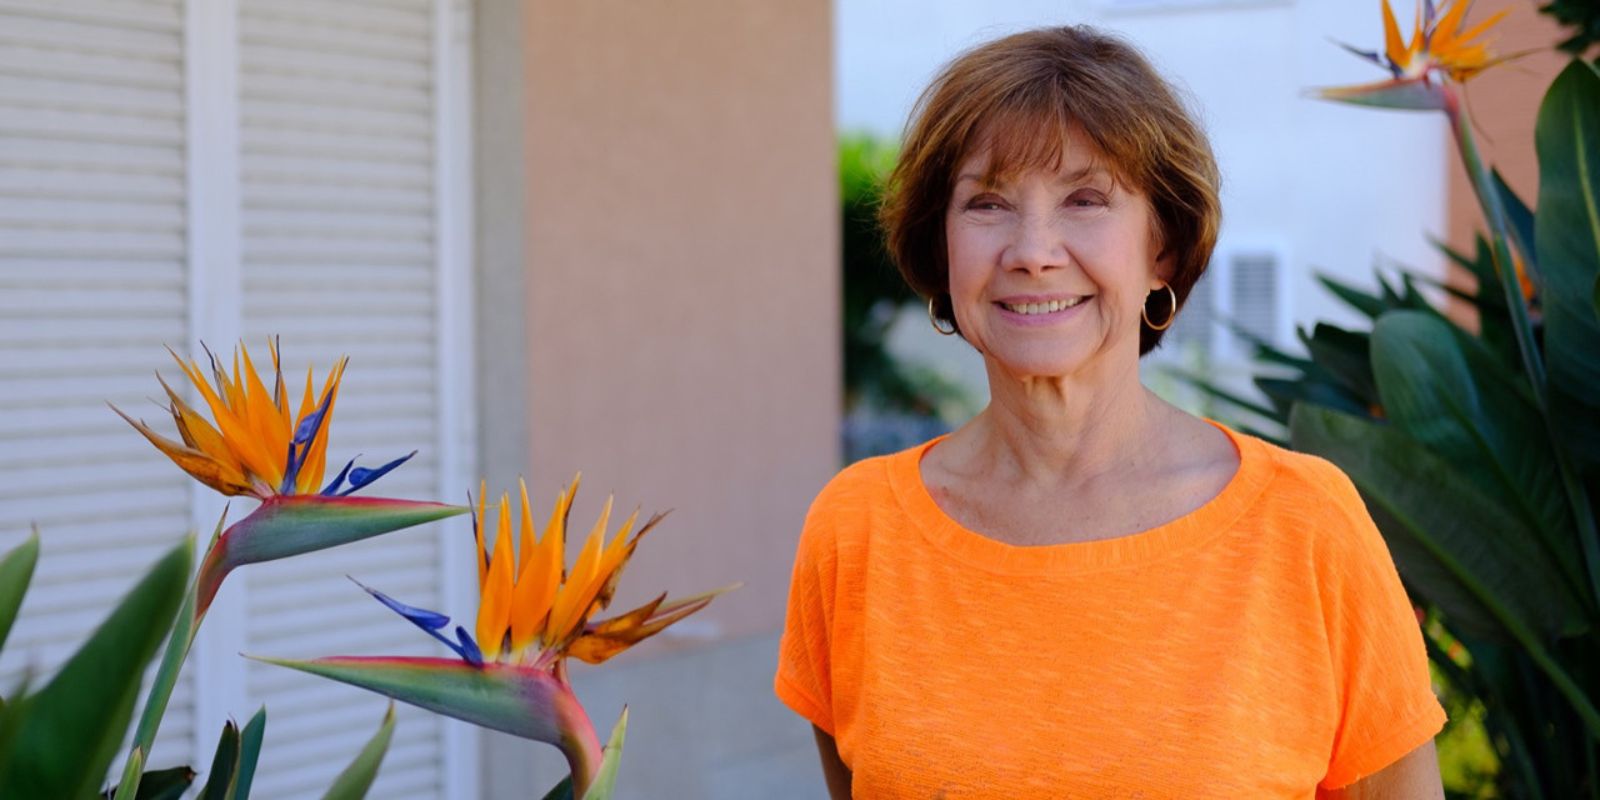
(1410,726)
(815,711)
(907,516)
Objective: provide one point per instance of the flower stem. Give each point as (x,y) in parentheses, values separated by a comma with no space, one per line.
(578,740)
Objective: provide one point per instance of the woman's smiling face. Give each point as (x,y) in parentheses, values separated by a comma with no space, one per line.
(1049,270)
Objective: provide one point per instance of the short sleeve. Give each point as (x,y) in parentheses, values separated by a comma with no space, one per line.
(804,681)
(1387,707)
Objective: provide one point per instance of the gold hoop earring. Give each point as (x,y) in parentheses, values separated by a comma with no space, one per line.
(935,320)
(1170,316)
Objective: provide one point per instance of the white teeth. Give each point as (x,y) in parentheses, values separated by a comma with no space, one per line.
(1043,308)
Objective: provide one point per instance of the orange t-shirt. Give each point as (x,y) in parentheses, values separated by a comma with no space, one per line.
(1260,647)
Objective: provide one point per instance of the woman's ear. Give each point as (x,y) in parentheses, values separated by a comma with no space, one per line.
(1165,269)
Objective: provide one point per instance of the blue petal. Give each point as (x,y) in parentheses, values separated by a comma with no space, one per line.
(308,427)
(300,445)
(421,617)
(291,471)
(333,486)
(468,649)
(361,476)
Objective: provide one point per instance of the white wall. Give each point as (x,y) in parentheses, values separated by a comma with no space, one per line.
(1336,187)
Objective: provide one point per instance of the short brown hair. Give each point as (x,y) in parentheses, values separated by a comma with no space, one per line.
(1021,96)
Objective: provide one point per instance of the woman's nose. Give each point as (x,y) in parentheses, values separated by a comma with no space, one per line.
(1036,246)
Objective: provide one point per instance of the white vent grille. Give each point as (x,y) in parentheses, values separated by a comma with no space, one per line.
(1194,328)
(1255,293)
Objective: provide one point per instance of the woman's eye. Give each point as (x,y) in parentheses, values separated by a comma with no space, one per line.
(983,204)
(1086,200)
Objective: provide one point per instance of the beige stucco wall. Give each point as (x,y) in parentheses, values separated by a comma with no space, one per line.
(679,303)
(682,277)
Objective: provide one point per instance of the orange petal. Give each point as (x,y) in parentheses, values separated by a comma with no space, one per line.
(197,432)
(264,417)
(578,590)
(1391,36)
(525,541)
(602,640)
(614,574)
(494,609)
(199,465)
(317,455)
(1479,29)
(244,447)
(537,582)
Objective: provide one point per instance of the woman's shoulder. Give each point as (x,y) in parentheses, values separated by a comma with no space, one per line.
(866,482)
(863,492)
(1313,496)
(1302,477)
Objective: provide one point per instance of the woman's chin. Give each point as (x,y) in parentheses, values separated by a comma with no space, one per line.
(1024,363)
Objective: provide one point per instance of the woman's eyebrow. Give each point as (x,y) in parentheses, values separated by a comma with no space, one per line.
(1089,171)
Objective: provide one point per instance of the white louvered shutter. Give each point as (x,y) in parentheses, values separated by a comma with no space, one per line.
(339,251)
(93,284)
(338,256)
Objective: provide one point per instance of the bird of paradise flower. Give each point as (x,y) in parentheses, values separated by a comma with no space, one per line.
(532,617)
(256,446)
(1427,69)
(1427,72)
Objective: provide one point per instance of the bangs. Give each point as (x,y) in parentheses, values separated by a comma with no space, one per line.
(1032,131)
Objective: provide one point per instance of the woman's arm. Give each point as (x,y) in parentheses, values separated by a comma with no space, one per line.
(1414,777)
(833,768)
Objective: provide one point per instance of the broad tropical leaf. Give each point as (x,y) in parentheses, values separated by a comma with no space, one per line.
(1441,387)
(1567,236)
(16,570)
(356,779)
(70,730)
(1484,551)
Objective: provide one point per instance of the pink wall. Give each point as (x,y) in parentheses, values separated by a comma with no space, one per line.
(682,293)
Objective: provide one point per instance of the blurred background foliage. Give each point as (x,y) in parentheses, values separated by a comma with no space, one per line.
(891,400)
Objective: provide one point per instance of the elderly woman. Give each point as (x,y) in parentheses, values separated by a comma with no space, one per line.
(1086,592)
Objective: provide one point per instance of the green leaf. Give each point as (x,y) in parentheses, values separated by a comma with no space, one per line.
(1285,393)
(166,677)
(1520,219)
(130,777)
(1477,548)
(219,781)
(356,779)
(162,784)
(1265,351)
(73,727)
(561,791)
(16,570)
(1444,389)
(1567,236)
(1370,305)
(605,780)
(1344,354)
(249,753)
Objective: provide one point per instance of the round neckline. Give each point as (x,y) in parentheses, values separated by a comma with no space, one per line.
(1163,541)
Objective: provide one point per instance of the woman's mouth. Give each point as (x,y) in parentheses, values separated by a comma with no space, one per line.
(1049,307)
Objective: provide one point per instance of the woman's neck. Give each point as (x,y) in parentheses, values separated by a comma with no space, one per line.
(1071,430)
